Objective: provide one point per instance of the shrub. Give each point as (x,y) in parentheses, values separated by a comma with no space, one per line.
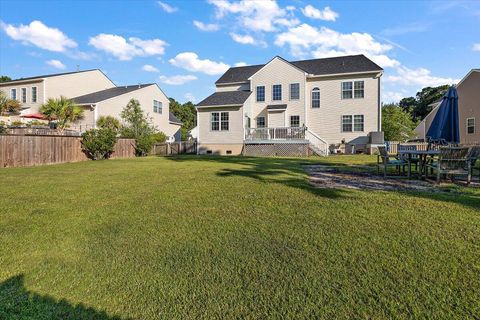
(3,130)
(99,143)
(159,137)
(17,123)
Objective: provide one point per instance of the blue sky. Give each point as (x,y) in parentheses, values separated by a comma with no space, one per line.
(186,45)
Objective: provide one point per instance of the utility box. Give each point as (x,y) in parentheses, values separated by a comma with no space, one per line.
(377,137)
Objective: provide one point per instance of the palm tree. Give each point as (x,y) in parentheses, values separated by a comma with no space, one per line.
(61,110)
(8,106)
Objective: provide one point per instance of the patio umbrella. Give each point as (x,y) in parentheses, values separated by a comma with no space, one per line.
(445,124)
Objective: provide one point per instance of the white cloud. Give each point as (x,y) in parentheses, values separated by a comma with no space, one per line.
(209,27)
(305,40)
(166,7)
(326,14)
(177,80)
(191,62)
(149,68)
(56,64)
(391,96)
(122,49)
(255,15)
(247,39)
(240,64)
(190,97)
(420,78)
(476,47)
(39,35)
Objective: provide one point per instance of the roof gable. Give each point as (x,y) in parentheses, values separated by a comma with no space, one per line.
(277,58)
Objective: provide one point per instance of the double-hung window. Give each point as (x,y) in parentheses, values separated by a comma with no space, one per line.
(294,91)
(353,89)
(219,121)
(316,98)
(260,93)
(353,123)
(260,122)
(13,94)
(34,95)
(277,92)
(24,95)
(470,125)
(157,106)
(294,121)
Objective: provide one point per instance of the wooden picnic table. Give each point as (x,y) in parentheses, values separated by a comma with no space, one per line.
(422,155)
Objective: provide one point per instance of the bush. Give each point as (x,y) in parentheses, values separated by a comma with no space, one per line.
(99,143)
(3,130)
(159,137)
(17,123)
(108,122)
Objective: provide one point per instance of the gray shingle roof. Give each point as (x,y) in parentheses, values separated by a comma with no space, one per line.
(108,93)
(276,107)
(335,65)
(225,98)
(46,76)
(172,118)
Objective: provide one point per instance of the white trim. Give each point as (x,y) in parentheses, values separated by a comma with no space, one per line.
(468,74)
(220,106)
(378,73)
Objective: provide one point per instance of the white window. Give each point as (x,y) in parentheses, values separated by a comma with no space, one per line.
(294,91)
(294,121)
(260,122)
(353,123)
(353,89)
(157,106)
(358,124)
(316,98)
(277,92)
(24,95)
(13,94)
(347,124)
(219,121)
(260,93)
(470,125)
(34,94)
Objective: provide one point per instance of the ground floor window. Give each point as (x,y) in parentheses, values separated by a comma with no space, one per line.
(471,125)
(260,122)
(353,123)
(294,121)
(24,95)
(219,121)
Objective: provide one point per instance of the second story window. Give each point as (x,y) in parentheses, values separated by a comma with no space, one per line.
(260,93)
(294,121)
(24,95)
(34,94)
(353,89)
(157,106)
(260,122)
(219,121)
(13,94)
(294,91)
(277,92)
(470,125)
(316,98)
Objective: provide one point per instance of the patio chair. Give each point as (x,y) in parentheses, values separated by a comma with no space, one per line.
(474,155)
(387,161)
(408,147)
(452,161)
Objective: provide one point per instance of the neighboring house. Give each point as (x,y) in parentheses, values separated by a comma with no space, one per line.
(319,102)
(468,90)
(99,96)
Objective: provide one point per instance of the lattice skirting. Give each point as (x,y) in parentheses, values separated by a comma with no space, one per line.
(276,150)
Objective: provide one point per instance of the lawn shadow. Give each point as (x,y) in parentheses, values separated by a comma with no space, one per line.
(16,302)
(291,172)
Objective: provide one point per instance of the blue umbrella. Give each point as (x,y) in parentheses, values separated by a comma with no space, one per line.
(445,124)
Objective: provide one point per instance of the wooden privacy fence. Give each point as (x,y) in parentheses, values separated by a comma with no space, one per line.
(174,148)
(23,151)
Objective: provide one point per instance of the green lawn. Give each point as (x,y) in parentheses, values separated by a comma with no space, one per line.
(220,237)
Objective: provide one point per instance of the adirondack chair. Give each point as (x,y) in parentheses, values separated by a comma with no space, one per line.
(474,155)
(453,161)
(385,160)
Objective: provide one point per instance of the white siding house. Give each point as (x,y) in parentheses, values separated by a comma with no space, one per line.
(321,102)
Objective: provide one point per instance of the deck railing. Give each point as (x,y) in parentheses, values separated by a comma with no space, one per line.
(283,133)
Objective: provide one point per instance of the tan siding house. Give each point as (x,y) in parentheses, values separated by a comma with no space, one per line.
(97,94)
(468,90)
(321,102)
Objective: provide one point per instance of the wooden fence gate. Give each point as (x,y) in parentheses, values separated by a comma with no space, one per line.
(174,148)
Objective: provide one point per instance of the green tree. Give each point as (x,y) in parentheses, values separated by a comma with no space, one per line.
(420,105)
(186,113)
(137,126)
(5,79)
(61,110)
(397,124)
(109,122)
